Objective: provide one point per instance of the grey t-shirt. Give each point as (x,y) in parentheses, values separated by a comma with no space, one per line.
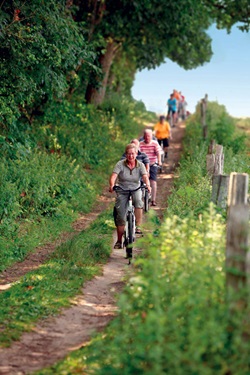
(129,178)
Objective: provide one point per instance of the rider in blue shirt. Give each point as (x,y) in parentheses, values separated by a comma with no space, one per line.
(172,107)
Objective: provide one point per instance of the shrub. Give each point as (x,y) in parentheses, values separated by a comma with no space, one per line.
(173,318)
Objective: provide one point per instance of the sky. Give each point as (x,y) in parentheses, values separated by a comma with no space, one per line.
(225,79)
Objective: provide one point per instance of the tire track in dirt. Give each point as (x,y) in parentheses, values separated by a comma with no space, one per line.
(52,339)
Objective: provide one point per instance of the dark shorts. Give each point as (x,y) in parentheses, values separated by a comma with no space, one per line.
(165,142)
(153,172)
(172,111)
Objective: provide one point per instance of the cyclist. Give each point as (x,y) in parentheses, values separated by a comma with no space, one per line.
(172,108)
(163,133)
(128,173)
(182,107)
(153,150)
(141,156)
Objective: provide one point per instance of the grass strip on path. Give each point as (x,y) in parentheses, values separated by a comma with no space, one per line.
(45,291)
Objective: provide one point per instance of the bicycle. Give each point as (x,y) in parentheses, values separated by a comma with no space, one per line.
(171,119)
(129,232)
(146,197)
(162,156)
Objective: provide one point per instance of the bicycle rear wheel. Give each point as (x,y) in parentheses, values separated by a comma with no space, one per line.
(162,153)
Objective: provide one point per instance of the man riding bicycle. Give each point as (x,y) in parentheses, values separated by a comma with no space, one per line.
(153,150)
(172,108)
(127,174)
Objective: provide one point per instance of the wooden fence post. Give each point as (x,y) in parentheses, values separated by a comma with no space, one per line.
(215,159)
(220,182)
(220,185)
(219,160)
(203,116)
(210,158)
(237,242)
(238,188)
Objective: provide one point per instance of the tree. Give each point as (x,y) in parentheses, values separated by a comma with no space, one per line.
(49,47)
(148,30)
(151,31)
(230,12)
(41,46)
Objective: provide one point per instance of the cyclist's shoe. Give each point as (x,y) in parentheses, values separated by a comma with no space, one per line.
(138,230)
(153,203)
(118,245)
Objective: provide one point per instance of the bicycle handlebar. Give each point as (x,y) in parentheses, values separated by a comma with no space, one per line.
(144,186)
(117,187)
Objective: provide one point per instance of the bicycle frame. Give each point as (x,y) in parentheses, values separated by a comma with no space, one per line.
(129,231)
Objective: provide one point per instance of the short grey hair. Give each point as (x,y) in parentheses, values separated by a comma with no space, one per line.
(130,146)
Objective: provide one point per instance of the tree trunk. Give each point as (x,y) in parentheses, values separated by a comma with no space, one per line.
(96,96)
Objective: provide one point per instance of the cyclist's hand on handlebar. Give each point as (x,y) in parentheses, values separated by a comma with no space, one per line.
(111,188)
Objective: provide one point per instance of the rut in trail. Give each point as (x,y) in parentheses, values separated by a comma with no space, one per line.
(52,339)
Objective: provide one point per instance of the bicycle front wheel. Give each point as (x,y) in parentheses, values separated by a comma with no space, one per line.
(146,198)
(130,234)
(130,220)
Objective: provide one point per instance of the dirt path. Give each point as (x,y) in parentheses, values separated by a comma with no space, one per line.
(42,253)
(54,337)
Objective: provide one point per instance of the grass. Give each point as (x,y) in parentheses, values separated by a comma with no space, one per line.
(44,292)
(34,233)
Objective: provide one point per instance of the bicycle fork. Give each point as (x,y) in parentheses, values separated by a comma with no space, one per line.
(129,230)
